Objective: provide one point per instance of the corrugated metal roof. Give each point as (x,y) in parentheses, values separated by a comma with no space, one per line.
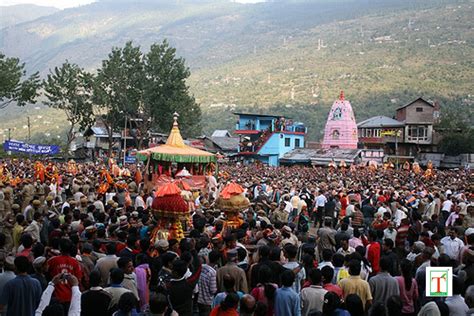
(380,121)
(98,130)
(321,156)
(227,143)
(221,133)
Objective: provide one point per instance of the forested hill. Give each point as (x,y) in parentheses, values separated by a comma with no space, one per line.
(290,57)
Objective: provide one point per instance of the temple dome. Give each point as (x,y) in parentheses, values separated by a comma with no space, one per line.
(341,127)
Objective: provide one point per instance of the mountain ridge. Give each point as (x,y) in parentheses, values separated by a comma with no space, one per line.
(269,55)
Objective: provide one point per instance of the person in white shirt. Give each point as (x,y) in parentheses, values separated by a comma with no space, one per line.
(453,245)
(139,202)
(74,308)
(345,248)
(390,232)
(149,199)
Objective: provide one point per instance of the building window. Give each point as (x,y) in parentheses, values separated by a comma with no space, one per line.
(335,134)
(419,109)
(377,133)
(417,133)
(297,143)
(287,142)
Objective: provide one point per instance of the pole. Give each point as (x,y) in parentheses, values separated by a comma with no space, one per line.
(9,134)
(124,142)
(29,129)
(396,146)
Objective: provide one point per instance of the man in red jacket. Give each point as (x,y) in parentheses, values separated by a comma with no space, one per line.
(64,264)
(373,252)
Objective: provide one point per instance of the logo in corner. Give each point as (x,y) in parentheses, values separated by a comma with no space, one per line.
(439,281)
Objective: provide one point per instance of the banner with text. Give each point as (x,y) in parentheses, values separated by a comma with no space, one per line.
(21,147)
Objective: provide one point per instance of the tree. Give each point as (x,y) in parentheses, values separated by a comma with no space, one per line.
(457,131)
(149,87)
(12,87)
(118,89)
(69,89)
(166,92)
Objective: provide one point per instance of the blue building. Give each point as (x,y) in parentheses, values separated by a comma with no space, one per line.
(267,137)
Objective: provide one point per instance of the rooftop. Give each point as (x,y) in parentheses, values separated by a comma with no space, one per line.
(261,115)
(227,143)
(221,133)
(321,156)
(419,99)
(380,121)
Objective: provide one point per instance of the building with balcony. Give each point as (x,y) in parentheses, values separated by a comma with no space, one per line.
(267,138)
(410,132)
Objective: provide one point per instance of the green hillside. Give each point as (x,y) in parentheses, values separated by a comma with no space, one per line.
(287,57)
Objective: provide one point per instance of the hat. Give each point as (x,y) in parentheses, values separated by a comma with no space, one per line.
(469,231)
(261,213)
(38,262)
(15,207)
(123,218)
(110,202)
(162,244)
(134,214)
(49,198)
(36,203)
(51,214)
(10,262)
(287,229)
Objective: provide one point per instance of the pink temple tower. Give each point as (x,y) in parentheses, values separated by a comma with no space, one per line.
(341,128)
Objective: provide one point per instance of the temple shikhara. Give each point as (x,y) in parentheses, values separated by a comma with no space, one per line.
(341,127)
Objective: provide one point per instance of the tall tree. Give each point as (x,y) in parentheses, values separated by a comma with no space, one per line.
(119,87)
(69,89)
(149,87)
(166,92)
(13,86)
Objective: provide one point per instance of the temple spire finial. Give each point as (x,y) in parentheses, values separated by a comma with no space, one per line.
(341,96)
(175,119)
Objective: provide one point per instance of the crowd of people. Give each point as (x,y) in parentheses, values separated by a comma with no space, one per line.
(315,241)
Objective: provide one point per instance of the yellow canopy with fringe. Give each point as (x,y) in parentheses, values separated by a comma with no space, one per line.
(175,150)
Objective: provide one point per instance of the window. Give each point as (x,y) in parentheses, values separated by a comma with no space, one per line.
(377,133)
(287,142)
(335,134)
(417,133)
(297,143)
(419,109)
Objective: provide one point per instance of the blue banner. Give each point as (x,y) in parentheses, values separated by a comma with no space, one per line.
(21,147)
(130,159)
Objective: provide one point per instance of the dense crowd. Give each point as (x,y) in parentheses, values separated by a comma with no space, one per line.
(315,241)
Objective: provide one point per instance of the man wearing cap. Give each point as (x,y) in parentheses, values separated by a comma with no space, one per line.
(32,208)
(7,274)
(39,265)
(288,236)
(234,271)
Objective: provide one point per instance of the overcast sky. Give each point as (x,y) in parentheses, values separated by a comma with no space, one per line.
(61,4)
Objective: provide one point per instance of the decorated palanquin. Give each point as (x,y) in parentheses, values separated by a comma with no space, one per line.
(170,210)
(232,201)
(164,162)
